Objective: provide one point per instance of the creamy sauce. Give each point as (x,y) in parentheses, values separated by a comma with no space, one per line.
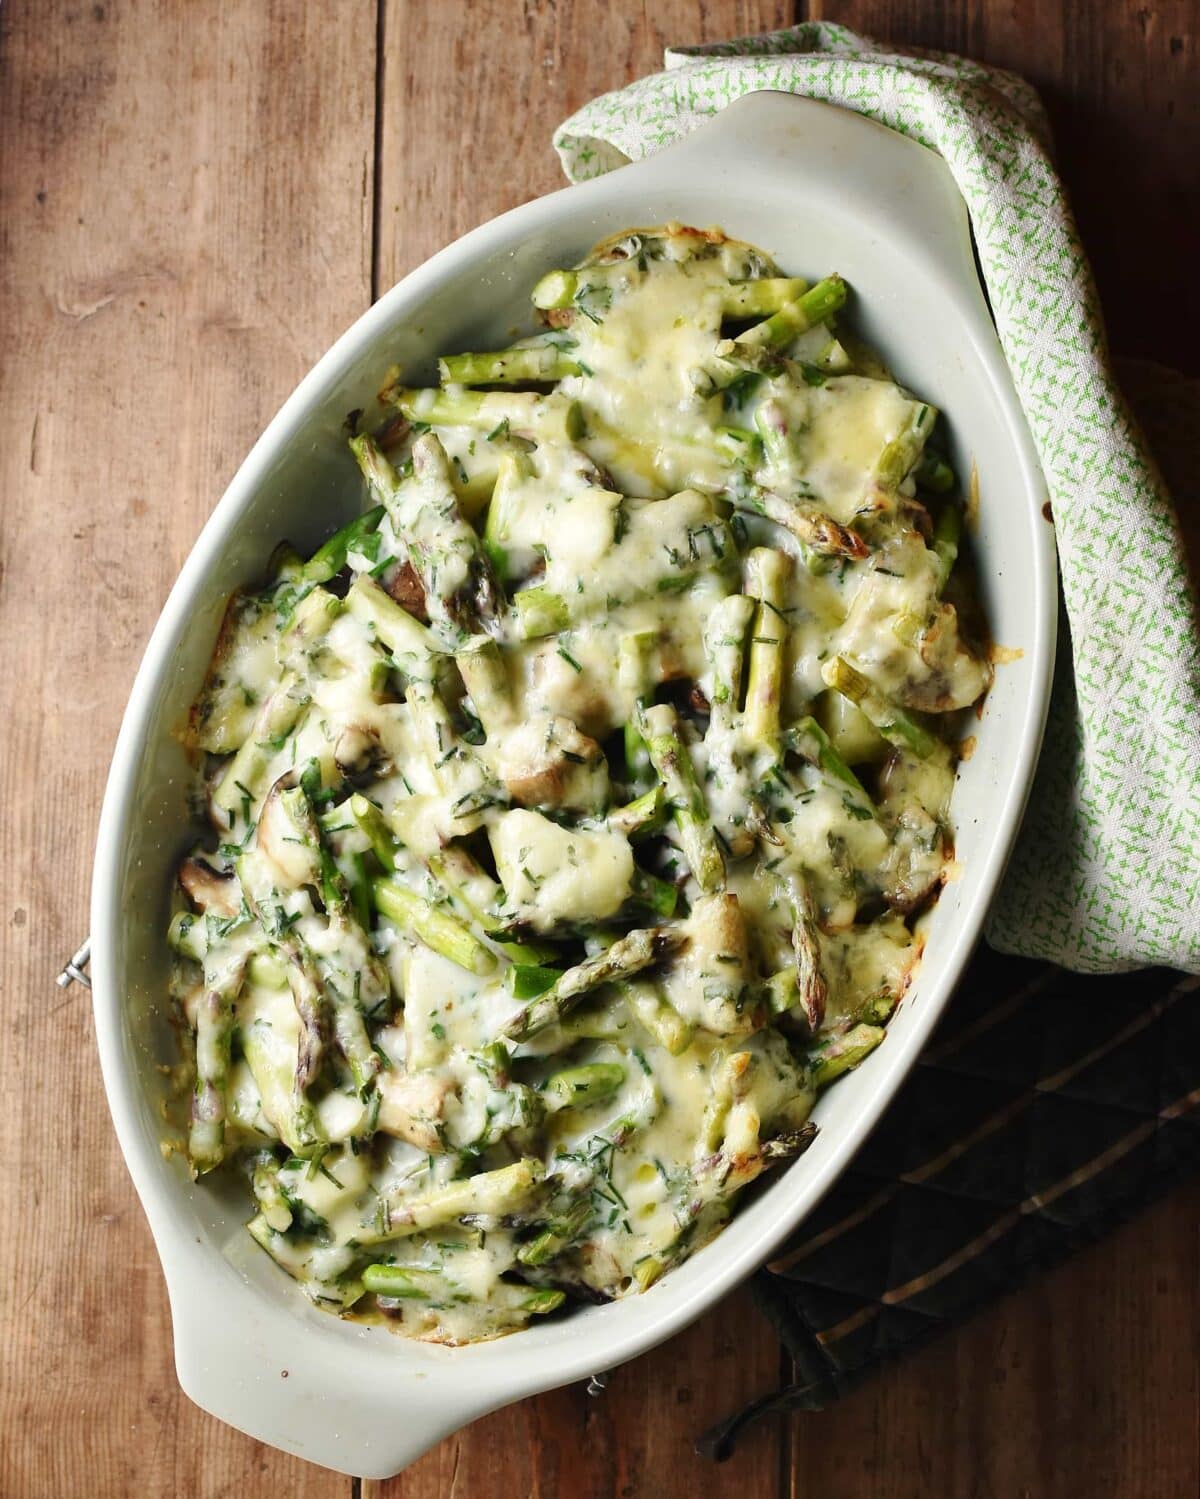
(539,910)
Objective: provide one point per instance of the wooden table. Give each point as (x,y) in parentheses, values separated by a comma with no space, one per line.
(197,195)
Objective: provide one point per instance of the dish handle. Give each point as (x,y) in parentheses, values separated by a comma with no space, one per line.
(357,1414)
(857,165)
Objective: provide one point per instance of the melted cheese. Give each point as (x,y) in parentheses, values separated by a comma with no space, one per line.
(553,874)
(406,1009)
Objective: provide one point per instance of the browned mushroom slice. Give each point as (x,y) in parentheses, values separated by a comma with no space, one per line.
(208,890)
(550,762)
(358,750)
(292,858)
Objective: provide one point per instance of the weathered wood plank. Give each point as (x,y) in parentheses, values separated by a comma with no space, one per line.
(186,226)
(471,97)
(636,1440)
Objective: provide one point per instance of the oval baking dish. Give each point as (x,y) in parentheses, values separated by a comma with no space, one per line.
(815,187)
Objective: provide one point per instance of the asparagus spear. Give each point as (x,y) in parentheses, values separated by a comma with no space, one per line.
(892,722)
(655,1015)
(843,1053)
(188,935)
(242,781)
(416,1283)
(724,648)
(767,573)
(947,533)
(299,640)
(636,662)
(646,813)
(762,297)
(817,532)
(413,1283)
(290,838)
(512,471)
(627,956)
(476,896)
(771,421)
(580,1087)
(540,612)
(371,822)
(741,446)
(414,648)
(489,1194)
(659,727)
(532,362)
(903,453)
(269,1193)
(454,869)
(559,1234)
(485,676)
(285,1105)
(497,414)
(327,561)
(562,289)
(559,289)
(434,928)
(725,651)
(223,978)
(755,348)
(457,771)
(352,986)
(810,741)
(268,905)
(461,592)
(782,990)
(806,945)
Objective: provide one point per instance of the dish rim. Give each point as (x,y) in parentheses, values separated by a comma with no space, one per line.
(664,1314)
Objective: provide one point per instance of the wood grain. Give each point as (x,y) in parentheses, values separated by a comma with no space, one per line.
(469,105)
(194,199)
(186,226)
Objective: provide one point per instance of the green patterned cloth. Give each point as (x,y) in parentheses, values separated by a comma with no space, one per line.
(1106,873)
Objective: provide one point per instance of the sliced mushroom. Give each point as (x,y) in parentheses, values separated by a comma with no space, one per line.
(550,762)
(411,1107)
(956,678)
(358,749)
(293,857)
(405,586)
(208,890)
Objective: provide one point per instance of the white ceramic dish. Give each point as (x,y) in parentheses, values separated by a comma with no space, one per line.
(820,189)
